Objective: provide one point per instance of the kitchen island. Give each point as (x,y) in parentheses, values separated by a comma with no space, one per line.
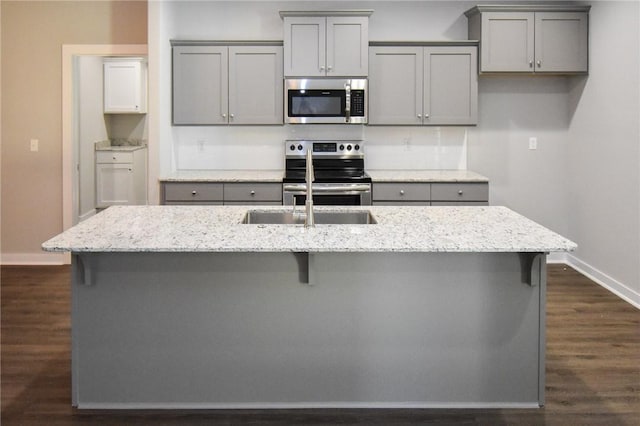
(188,307)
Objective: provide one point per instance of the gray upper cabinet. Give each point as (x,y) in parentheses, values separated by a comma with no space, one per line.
(255,85)
(531,39)
(326,46)
(423,85)
(219,84)
(200,93)
(450,85)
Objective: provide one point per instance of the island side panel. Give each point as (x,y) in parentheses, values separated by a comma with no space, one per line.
(199,330)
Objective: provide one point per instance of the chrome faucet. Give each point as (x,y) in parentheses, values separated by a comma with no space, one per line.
(309,220)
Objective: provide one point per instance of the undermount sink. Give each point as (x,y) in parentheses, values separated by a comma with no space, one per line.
(321,218)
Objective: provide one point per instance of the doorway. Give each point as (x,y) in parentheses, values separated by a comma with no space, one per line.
(74,163)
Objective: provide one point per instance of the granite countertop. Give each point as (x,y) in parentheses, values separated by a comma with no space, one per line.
(225,176)
(219,229)
(122,148)
(426,176)
(120,144)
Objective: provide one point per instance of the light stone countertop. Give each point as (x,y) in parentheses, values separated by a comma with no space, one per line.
(123,148)
(225,176)
(426,176)
(219,229)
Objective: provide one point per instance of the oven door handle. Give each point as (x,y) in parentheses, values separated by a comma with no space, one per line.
(328,188)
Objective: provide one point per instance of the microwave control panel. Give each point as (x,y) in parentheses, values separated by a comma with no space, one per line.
(357,103)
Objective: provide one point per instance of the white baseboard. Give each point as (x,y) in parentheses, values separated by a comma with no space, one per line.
(559,257)
(611,284)
(87,215)
(34,259)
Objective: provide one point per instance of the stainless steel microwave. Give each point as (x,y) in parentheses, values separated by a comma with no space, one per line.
(325,101)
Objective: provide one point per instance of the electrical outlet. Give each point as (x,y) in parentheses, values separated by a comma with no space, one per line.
(34,145)
(533,143)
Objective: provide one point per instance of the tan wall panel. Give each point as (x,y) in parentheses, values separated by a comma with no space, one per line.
(32,37)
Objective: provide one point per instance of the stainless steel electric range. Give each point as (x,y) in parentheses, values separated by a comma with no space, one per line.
(340,178)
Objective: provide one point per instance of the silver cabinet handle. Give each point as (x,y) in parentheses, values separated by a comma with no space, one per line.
(252,193)
(231,116)
(539,63)
(530,64)
(329,68)
(194,192)
(224,115)
(402,192)
(460,192)
(426,116)
(419,115)
(321,67)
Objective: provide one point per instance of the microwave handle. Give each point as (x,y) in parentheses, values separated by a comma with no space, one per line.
(347,107)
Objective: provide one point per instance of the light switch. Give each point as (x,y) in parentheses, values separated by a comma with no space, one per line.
(34,145)
(533,143)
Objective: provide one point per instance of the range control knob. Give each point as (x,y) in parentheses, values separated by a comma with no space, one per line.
(292,147)
(357,147)
(299,147)
(348,147)
(341,147)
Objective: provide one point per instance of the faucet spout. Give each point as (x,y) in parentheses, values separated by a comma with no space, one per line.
(309,220)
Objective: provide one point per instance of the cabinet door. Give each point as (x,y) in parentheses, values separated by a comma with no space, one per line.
(200,85)
(123,87)
(114,184)
(507,42)
(255,85)
(450,85)
(347,46)
(561,42)
(305,46)
(395,85)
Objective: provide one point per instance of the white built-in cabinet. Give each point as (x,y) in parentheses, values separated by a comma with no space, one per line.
(423,85)
(332,44)
(216,84)
(125,85)
(531,39)
(121,177)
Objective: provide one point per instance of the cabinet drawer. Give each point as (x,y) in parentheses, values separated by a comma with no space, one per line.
(460,192)
(112,157)
(193,192)
(401,192)
(252,192)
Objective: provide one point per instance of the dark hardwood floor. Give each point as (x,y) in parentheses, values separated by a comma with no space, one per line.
(593,365)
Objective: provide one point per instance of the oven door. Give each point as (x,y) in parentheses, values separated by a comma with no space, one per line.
(328,194)
(316,106)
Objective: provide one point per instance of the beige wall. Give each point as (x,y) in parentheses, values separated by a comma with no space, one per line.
(32,37)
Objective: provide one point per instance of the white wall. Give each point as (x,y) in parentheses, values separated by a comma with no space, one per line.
(582,181)
(603,158)
(262,147)
(91,126)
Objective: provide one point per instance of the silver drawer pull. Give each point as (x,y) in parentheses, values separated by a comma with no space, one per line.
(194,192)
(402,192)
(460,192)
(252,193)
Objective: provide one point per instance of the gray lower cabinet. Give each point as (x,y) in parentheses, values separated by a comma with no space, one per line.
(253,193)
(445,194)
(394,193)
(192,193)
(218,85)
(434,194)
(423,85)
